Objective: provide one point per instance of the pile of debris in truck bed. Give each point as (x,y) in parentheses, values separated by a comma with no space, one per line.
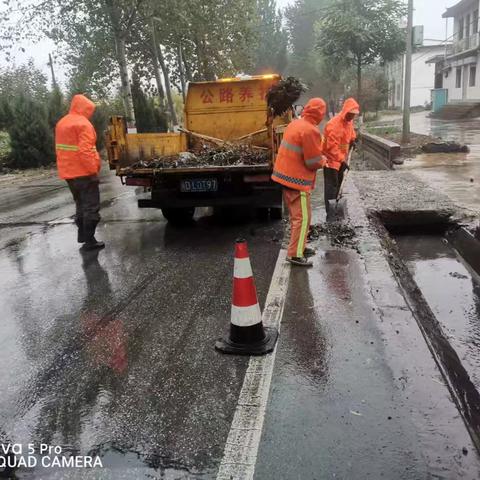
(208,156)
(282,95)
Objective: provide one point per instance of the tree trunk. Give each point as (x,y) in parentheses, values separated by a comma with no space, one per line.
(158,81)
(182,71)
(207,71)
(188,70)
(203,65)
(124,79)
(359,80)
(121,55)
(156,67)
(168,90)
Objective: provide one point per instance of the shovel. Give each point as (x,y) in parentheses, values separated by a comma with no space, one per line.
(337,208)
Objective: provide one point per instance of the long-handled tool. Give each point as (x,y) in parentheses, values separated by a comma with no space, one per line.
(337,208)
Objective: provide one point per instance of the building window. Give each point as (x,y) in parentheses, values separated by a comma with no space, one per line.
(461,28)
(475,21)
(458,81)
(473,76)
(399,93)
(467,26)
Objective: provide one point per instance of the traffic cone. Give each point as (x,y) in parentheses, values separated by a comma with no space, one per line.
(247,333)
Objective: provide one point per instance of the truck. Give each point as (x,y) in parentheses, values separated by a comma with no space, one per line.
(228,112)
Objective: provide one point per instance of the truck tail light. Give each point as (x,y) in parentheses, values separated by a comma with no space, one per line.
(263,178)
(138,181)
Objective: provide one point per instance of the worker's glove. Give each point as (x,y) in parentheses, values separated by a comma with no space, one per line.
(344,167)
(354,144)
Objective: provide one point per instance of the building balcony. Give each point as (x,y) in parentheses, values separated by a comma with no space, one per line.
(464,45)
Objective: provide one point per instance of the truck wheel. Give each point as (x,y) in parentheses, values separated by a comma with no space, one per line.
(179,216)
(276,213)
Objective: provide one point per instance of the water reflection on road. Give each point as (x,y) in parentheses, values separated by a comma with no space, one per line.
(457,175)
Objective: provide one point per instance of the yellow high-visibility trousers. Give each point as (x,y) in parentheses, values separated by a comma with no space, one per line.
(299,208)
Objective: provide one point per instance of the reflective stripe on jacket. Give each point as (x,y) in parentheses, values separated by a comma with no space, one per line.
(339,133)
(301,152)
(75,140)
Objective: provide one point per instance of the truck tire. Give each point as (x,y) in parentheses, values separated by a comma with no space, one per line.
(179,216)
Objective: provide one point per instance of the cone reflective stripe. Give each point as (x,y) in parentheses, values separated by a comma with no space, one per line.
(247,334)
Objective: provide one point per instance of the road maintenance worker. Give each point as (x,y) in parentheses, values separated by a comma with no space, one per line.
(339,136)
(78,162)
(299,157)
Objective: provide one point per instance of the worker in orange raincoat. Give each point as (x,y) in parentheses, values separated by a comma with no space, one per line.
(299,157)
(340,137)
(78,162)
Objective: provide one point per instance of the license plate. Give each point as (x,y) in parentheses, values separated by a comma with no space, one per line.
(199,185)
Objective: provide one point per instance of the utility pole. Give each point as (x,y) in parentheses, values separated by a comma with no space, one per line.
(408,76)
(50,64)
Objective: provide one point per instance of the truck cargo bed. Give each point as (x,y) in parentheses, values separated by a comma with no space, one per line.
(213,169)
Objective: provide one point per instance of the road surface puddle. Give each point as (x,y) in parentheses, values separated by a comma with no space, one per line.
(452,291)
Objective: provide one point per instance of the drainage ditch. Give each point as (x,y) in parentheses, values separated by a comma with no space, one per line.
(438,269)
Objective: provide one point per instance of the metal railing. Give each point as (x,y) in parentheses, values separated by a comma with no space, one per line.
(467,43)
(379,150)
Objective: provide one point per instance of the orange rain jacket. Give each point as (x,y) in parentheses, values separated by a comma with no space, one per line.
(339,133)
(301,152)
(75,140)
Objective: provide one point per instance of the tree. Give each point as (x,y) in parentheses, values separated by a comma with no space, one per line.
(24,79)
(5,113)
(148,120)
(56,107)
(31,138)
(215,36)
(270,54)
(105,24)
(304,60)
(360,33)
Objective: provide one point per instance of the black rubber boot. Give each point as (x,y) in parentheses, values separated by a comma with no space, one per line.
(300,261)
(91,243)
(81,234)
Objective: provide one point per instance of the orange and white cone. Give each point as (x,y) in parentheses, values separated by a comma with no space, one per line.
(247,334)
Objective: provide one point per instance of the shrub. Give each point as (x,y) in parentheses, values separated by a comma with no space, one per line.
(31,138)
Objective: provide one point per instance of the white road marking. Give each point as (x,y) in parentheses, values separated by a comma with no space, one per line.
(241,448)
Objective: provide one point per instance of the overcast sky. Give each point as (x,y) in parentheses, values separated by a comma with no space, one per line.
(427,13)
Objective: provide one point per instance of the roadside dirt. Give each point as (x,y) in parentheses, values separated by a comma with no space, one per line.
(19,176)
(420,143)
(339,234)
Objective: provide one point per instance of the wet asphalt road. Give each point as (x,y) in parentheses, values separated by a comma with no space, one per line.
(112,352)
(457,175)
(355,392)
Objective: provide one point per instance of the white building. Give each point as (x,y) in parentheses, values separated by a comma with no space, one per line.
(423,77)
(460,67)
